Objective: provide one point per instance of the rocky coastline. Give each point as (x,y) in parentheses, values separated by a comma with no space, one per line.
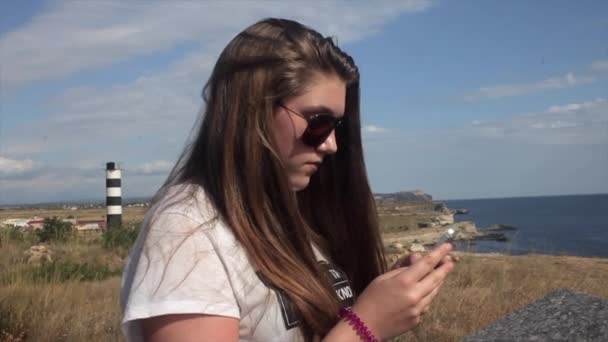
(412,221)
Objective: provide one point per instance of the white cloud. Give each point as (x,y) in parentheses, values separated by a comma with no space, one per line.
(572,107)
(75,181)
(553,124)
(558,150)
(132,122)
(15,166)
(157,167)
(565,124)
(507,90)
(160,105)
(600,66)
(568,124)
(54,182)
(374,129)
(23,148)
(74,36)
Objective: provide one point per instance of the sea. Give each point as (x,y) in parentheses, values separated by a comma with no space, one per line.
(559,225)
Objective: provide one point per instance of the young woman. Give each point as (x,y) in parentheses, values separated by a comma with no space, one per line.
(266,229)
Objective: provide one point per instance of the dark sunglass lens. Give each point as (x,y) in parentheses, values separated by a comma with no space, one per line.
(319,128)
(321,123)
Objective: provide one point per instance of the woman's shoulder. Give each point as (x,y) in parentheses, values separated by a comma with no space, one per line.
(181,262)
(186,199)
(184,210)
(182,246)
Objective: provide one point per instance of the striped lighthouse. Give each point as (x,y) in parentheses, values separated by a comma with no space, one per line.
(113,195)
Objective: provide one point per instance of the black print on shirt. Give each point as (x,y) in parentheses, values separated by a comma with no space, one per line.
(288,310)
(340,282)
(337,278)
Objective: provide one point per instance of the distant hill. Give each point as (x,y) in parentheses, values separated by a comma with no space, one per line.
(415,195)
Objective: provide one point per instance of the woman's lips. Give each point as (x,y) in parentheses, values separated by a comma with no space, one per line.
(313,166)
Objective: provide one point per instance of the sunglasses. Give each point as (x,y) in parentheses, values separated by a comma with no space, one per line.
(319,126)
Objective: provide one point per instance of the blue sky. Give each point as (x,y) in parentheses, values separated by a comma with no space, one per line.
(462,99)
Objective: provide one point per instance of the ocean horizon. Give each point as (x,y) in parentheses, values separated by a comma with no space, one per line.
(558,225)
(574,224)
(128,199)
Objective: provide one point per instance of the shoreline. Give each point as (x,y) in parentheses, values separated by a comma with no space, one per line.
(416,224)
(498,255)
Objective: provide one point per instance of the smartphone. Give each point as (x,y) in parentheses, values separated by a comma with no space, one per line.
(448,236)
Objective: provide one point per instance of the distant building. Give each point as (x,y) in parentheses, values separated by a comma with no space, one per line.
(36,224)
(90,225)
(16,222)
(72,221)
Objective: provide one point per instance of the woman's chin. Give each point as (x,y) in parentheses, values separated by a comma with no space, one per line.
(299,182)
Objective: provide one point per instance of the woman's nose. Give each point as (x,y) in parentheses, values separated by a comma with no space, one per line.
(329,145)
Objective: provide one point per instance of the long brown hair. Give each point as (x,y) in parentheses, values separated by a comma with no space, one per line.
(233,157)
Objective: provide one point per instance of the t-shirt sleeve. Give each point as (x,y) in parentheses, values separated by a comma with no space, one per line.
(176,269)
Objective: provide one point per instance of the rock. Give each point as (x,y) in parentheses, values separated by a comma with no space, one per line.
(423,225)
(493,236)
(499,227)
(392,258)
(415,195)
(562,315)
(466,230)
(442,208)
(394,248)
(460,211)
(416,247)
(38,254)
(444,220)
(467,227)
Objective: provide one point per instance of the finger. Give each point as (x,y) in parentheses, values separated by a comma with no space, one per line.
(406,261)
(426,264)
(445,259)
(433,280)
(425,303)
(391,273)
(401,262)
(410,259)
(396,264)
(414,257)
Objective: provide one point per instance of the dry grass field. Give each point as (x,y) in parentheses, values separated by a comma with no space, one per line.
(130,214)
(482,289)
(37,305)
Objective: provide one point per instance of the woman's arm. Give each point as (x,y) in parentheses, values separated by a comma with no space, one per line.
(394,302)
(190,328)
(342,332)
(391,305)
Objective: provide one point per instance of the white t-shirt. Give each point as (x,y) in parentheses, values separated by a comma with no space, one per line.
(192,263)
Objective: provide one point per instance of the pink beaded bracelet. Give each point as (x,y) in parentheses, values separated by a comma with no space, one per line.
(348,314)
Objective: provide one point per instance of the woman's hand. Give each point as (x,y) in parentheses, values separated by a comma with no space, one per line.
(394,302)
(406,261)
